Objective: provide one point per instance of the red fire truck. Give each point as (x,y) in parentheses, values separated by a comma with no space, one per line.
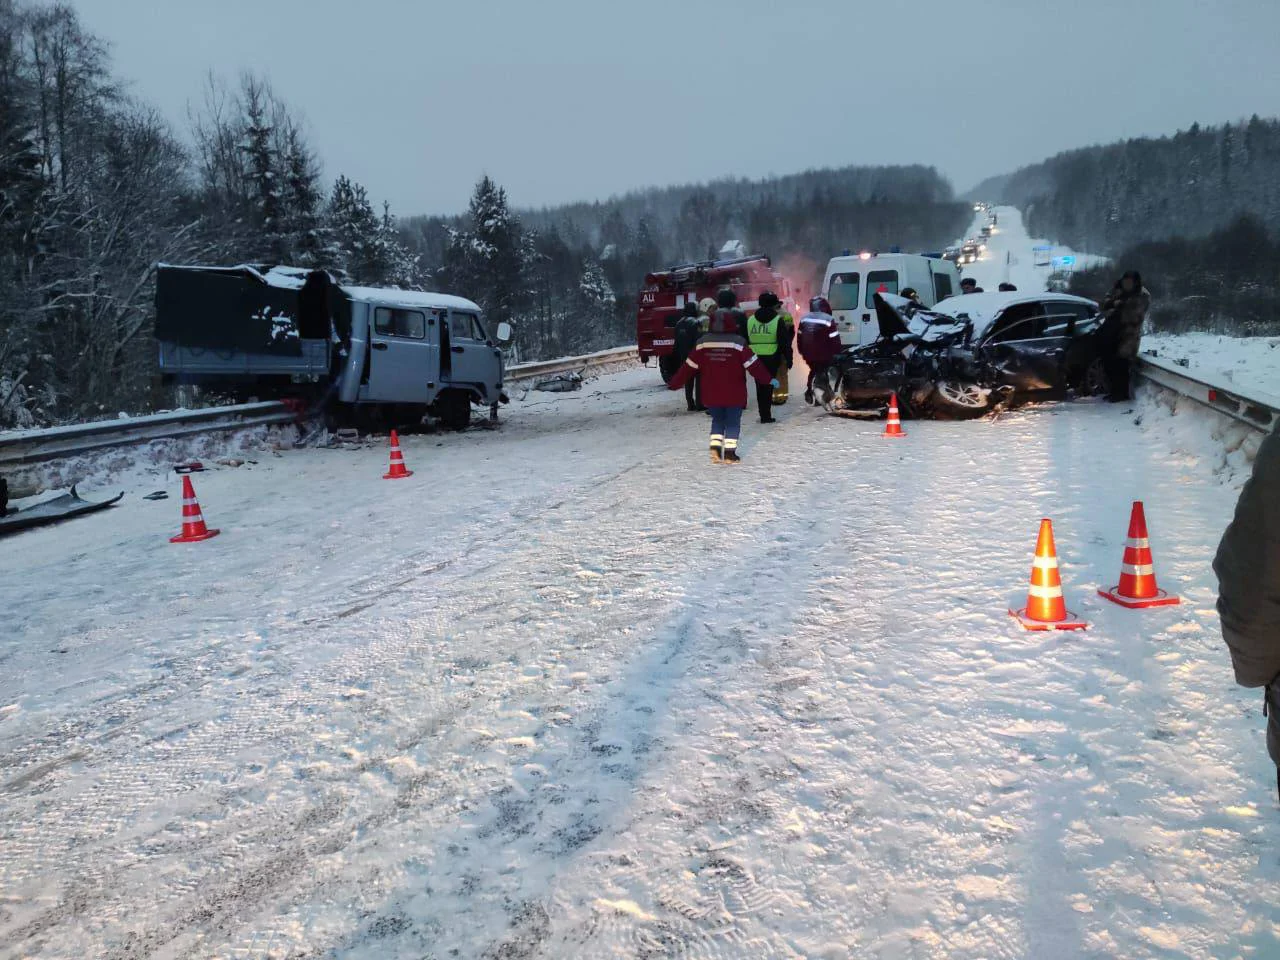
(664,295)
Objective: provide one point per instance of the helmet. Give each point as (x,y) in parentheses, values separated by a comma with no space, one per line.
(707,306)
(768,299)
(726,298)
(819,305)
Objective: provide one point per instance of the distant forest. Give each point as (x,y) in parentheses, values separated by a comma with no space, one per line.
(1198,213)
(583,264)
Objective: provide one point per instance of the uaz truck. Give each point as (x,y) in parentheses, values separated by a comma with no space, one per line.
(363,353)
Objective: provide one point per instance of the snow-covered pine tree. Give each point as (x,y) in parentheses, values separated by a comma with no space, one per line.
(489,262)
(302,202)
(400,266)
(355,230)
(261,165)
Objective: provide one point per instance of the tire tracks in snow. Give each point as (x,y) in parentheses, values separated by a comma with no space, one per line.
(254,881)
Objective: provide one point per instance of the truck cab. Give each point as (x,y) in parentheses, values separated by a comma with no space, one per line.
(851,281)
(286,331)
(665,294)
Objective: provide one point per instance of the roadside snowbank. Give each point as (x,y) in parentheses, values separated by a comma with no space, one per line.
(1250,363)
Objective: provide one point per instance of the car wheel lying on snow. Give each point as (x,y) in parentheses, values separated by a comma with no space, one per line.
(959,400)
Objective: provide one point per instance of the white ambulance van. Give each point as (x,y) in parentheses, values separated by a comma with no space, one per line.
(852,280)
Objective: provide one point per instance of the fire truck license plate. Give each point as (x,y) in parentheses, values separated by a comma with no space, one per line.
(664,343)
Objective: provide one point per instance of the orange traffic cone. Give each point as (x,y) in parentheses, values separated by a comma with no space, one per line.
(396,470)
(193,528)
(1045,609)
(1137,587)
(893,426)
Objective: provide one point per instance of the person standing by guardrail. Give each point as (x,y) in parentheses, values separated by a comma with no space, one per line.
(1248,569)
(1124,311)
(721,360)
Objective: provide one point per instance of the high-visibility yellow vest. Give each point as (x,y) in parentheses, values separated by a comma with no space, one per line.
(763,336)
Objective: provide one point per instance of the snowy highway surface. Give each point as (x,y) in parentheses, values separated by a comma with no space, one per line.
(572,690)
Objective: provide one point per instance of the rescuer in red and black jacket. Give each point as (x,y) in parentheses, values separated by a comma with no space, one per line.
(818,339)
(722,360)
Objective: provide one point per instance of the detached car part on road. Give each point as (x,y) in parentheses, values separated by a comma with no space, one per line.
(968,354)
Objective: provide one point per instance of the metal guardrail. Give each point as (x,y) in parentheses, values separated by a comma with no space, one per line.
(1258,410)
(37,446)
(544,368)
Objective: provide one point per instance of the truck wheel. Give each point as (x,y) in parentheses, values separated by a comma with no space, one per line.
(667,366)
(455,409)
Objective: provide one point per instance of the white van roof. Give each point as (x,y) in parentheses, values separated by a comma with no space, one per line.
(855,260)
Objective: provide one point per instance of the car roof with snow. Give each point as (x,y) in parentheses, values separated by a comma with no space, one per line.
(982,308)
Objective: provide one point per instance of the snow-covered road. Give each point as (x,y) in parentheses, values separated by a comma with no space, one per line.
(573,691)
(1011,256)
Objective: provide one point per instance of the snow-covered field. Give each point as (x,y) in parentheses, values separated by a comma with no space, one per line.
(572,691)
(1248,363)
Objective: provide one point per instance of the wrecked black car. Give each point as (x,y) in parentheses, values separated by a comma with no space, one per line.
(969,354)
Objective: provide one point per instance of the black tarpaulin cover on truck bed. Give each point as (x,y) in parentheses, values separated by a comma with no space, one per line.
(243,308)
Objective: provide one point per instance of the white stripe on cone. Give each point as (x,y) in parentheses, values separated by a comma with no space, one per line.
(1138,543)
(1044,593)
(1045,563)
(1138,569)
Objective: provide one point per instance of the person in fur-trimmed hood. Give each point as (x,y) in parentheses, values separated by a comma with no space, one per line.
(1124,311)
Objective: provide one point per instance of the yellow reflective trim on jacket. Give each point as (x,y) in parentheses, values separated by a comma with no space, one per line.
(763,336)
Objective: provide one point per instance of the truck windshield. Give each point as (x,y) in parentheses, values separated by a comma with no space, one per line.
(843,291)
(881,281)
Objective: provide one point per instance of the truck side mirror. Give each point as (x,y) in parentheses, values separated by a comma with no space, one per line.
(504,332)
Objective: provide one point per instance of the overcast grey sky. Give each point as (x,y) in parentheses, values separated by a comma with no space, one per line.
(565,100)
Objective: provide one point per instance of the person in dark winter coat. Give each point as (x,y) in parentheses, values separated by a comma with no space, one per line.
(818,340)
(719,359)
(1124,311)
(1248,569)
(970,285)
(688,330)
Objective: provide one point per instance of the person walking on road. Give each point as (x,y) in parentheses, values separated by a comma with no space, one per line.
(765,335)
(721,360)
(1248,569)
(688,330)
(818,340)
(1124,311)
